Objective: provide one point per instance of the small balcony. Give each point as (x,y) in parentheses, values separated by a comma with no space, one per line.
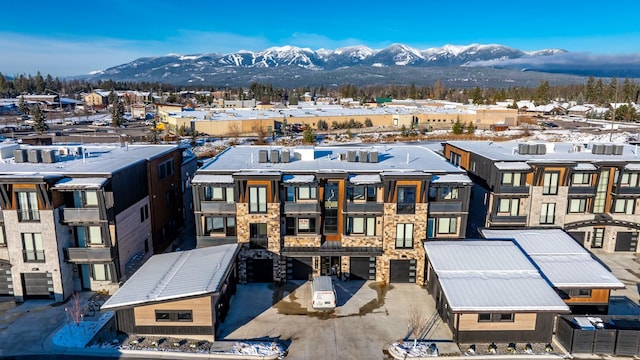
(75,215)
(512,190)
(217,207)
(445,207)
(291,207)
(508,220)
(206,241)
(364,208)
(582,190)
(625,190)
(83,255)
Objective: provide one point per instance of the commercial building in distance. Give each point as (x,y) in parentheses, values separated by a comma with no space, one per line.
(354,211)
(591,190)
(84,217)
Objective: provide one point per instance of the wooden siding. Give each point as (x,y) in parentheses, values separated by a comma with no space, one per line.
(522,321)
(464,155)
(201,307)
(598,296)
(542,331)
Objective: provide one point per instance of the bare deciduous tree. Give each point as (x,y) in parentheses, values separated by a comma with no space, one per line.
(418,323)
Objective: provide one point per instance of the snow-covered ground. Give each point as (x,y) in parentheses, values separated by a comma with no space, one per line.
(79,335)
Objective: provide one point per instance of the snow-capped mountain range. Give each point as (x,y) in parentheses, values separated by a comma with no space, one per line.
(358,65)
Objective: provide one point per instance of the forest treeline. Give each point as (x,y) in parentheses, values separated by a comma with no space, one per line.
(597,91)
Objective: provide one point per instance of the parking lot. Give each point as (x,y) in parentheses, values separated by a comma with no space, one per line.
(367,318)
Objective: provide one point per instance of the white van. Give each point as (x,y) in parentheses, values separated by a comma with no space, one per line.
(323,294)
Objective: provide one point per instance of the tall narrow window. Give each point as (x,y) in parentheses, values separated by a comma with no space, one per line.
(258,199)
(101,272)
(406,200)
(547,213)
(28,206)
(404,236)
(33,249)
(550,183)
(258,235)
(601,192)
(331,208)
(598,238)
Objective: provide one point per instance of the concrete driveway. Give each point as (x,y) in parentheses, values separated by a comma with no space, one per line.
(367,318)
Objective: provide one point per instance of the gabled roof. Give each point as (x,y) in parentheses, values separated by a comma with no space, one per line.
(561,259)
(176,275)
(473,281)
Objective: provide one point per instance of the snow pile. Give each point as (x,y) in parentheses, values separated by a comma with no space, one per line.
(409,349)
(256,348)
(72,335)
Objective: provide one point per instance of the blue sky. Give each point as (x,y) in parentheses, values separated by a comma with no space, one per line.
(77,37)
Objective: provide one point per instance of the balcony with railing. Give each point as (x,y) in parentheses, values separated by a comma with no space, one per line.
(625,190)
(369,207)
(217,207)
(582,190)
(74,215)
(85,255)
(206,241)
(445,207)
(292,207)
(508,220)
(512,189)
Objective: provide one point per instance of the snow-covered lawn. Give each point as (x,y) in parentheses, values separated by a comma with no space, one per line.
(79,335)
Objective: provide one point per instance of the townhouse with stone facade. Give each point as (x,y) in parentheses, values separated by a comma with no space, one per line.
(352,211)
(591,190)
(84,217)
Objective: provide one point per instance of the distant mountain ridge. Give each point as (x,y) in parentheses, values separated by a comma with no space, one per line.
(358,65)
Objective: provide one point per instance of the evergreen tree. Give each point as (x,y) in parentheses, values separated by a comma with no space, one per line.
(308,136)
(457,127)
(22,105)
(543,93)
(38,117)
(476,96)
(591,90)
(471,128)
(117,114)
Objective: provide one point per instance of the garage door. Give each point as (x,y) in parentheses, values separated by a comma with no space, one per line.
(299,268)
(37,285)
(402,271)
(578,236)
(6,284)
(626,241)
(363,268)
(259,270)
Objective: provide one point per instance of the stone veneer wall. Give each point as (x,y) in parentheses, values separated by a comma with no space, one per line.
(389,251)
(272,219)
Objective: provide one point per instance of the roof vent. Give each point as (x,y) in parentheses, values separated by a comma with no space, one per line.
(362,156)
(286,156)
(275,156)
(373,157)
(49,156)
(351,155)
(35,156)
(20,155)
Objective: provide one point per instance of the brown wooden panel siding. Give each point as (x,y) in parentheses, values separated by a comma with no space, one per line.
(541,333)
(201,307)
(464,155)
(598,296)
(563,176)
(522,321)
(416,183)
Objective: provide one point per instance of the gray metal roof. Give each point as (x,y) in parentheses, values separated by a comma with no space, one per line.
(80,183)
(490,276)
(81,159)
(556,152)
(562,260)
(403,159)
(176,275)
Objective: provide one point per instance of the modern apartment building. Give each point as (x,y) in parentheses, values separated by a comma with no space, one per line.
(83,217)
(590,190)
(357,211)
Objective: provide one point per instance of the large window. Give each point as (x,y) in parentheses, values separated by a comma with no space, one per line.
(443,193)
(454,158)
(404,236)
(165,169)
(89,235)
(83,199)
(331,208)
(508,207)
(511,179)
(28,206)
(3,240)
(548,213)
(295,226)
(550,183)
(33,250)
(101,272)
(624,206)
(581,179)
(447,225)
(629,179)
(257,199)
(218,193)
(361,193)
(406,199)
(305,192)
(577,206)
(258,235)
(220,226)
(361,226)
